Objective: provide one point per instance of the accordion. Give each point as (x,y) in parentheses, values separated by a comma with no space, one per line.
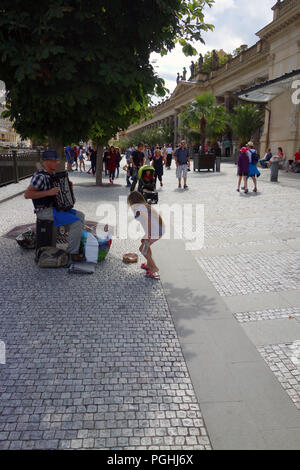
(65,200)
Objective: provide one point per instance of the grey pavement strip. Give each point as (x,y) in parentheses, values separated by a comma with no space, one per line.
(13,190)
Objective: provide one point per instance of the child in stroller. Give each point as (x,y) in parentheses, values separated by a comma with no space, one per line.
(146,180)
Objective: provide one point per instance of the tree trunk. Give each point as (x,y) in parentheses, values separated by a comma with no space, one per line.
(99,167)
(57,144)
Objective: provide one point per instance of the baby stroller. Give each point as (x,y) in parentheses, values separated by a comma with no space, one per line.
(146,180)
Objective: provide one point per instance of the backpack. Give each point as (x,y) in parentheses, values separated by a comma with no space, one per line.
(51,257)
(254,157)
(27,240)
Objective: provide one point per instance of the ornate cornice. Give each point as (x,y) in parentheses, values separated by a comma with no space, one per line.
(288,16)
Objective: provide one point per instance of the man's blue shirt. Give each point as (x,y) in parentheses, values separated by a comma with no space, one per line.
(182,155)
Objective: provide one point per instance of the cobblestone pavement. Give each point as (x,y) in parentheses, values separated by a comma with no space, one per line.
(284,361)
(95,362)
(270,314)
(91,362)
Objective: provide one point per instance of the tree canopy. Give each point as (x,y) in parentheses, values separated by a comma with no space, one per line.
(222,56)
(203,117)
(68,64)
(159,135)
(245,120)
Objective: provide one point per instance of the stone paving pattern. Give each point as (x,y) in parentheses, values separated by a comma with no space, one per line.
(250,273)
(284,361)
(95,362)
(92,362)
(270,314)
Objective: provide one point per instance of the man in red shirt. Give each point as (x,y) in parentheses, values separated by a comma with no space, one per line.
(297,162)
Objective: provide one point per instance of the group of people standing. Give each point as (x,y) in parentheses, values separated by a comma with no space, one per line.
(81,153)
(247,167)
(158,157)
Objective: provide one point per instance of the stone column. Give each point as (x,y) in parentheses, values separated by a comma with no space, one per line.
(228,101)
(175,129)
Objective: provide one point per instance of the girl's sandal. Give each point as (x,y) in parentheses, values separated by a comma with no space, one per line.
(144,266)
(153,275)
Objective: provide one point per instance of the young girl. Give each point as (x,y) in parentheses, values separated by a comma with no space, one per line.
(243,166)
(154,229)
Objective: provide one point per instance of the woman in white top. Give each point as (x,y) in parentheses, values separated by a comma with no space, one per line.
(169,153)
(154,229)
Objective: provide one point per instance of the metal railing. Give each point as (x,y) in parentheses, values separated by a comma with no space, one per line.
(17,165)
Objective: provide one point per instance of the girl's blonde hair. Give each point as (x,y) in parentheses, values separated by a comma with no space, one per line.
(137,198)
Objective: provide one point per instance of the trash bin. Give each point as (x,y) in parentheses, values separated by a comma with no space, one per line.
(274,172)
(218,164)
(196,161)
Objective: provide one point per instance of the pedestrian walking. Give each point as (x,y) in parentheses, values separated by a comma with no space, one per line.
(93,159)
(118,160)
(69,157)
(105,160)
(153,227)
(169,157)
(147,155)
(112,164)
(243,168)
(227,145)
(81,159)
(253,172)
(158,162)
(183,163)
(137,160)
(76,153)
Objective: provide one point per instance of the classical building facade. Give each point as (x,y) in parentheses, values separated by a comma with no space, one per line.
(8,135)
(276,53)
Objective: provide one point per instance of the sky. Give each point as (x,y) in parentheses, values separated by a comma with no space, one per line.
(235,21)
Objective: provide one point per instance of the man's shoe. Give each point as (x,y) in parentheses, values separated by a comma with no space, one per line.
(186,187)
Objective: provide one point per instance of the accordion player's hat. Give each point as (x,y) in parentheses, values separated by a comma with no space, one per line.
(50,155)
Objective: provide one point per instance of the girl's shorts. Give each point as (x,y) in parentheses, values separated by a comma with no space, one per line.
(242,174)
